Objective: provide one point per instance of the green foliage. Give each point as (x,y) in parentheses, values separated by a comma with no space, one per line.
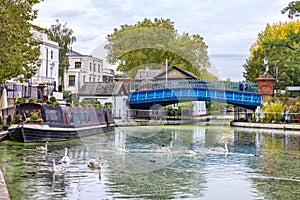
(280,43)
(9,119)
(293,9)
(31,100)
(108,105)
(19,52)
(21,100)
(34,116)
(150,42)
(39,101)
(64,37)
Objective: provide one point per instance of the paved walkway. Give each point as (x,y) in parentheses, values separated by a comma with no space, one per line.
(295,127)
(4,195)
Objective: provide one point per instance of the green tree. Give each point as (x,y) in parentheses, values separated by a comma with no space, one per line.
(64,37)
(150,42)
(19,53)
(280,43)
(293,9)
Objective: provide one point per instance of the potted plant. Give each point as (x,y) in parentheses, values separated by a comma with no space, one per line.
(31,100)
(9,120)
(34,116)
(18,119)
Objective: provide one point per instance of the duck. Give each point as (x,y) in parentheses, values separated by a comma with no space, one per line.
(58,168)
(164,149)
(95,164)
(190,152)
(65,158)
(42,148)
(220,149)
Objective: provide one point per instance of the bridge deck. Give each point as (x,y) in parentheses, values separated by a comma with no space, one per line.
(165,93)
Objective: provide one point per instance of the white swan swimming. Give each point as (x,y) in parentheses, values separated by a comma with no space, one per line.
(122,148)
(42,148)
(190,152)
(58,168)
(65,158)
(164,149)
(220,149)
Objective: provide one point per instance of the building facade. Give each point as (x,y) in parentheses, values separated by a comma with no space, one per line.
(82,69)
(47,73)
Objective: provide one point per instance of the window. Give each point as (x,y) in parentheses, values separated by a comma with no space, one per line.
(84,78)
(94,67)
(90,79)
(51,54)
(90,66)
(98,67)
(77,65)
(71,80)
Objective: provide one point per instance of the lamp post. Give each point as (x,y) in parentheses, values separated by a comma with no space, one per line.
(276,77)
(266,65)
(124,65)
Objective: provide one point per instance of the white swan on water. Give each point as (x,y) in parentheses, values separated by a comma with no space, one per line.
(42,148)
(220,149)
(58,168)
(190,152)
(65,158)
(164,149)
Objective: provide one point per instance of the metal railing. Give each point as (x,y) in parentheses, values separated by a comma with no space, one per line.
(221,85)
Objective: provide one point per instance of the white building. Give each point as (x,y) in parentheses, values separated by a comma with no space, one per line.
(47,73)
(82,69)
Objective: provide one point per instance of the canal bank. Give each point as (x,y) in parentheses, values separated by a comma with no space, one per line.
(4,195)
(265,126)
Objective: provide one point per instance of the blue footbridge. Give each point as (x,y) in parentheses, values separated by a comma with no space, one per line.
(147,94)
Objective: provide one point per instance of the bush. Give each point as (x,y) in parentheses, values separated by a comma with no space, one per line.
(34,116)
(31,100)
(9,120)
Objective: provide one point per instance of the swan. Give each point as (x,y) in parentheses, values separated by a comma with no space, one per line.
(190,152)
(95,164)
(220,149)
(42,148)
(65,158)
(164,149)
(58,168)
(123,147)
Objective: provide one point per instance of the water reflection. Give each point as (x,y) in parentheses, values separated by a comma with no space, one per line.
(260,164)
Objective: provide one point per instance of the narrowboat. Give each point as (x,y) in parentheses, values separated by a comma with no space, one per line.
(42,122)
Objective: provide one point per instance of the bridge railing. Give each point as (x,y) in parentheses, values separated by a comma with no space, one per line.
(221,85)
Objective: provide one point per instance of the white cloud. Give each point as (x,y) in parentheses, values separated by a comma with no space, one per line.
(228,27)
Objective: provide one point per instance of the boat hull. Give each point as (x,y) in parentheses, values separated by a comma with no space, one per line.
(40,133)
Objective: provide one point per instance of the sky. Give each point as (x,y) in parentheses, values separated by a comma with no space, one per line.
(229,28)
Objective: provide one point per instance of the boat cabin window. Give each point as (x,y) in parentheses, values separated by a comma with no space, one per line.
(27,113)
(71,118)
(53,115)
(82,117)
(77,120)
(88,116)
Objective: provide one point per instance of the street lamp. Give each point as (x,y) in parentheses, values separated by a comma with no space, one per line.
(124,65)
(266,65)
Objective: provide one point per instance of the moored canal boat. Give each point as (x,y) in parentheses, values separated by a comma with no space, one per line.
(43,122)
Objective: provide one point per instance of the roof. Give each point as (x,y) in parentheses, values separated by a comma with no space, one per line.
(142,74)
(176,73)
(102,89)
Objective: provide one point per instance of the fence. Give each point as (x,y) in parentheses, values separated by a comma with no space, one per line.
(15,90)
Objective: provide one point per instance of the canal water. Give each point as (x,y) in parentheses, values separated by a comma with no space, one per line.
(259,164)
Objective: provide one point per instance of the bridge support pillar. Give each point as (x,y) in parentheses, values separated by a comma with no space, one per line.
(266,85)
